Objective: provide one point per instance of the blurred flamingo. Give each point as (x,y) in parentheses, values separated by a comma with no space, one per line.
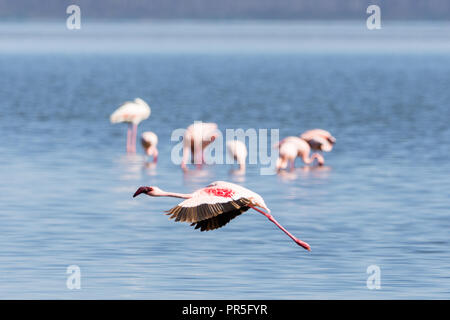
(318,139)
(149,141)
(196,138)
(292,147)
(214,206)
(238,151)
(132,112)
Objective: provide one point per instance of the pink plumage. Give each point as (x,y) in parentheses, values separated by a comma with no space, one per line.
(238,151)
(292,147)
(319,139)
(131,112)
(196,138)
(215,205)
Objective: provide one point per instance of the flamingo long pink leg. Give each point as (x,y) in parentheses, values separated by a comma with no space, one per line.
(198,154)
(291,164)
(297,241)
(129,133)
(155,155)
(133,137)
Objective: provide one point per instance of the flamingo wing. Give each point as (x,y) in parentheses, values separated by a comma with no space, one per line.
(131,111)
(218,221)
(149,138)
(320,143)
(237,149)
(209,208)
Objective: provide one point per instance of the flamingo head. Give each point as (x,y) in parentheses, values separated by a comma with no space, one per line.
(320,160)
(145,143)
(326,147)
(150,191)
(213,137)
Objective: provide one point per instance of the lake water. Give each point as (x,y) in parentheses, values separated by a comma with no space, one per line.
(66,183)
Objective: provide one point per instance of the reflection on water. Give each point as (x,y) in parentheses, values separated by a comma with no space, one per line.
(315,171)
(198,177)
(132,166)
(237,176)
(150,168)
(305,172)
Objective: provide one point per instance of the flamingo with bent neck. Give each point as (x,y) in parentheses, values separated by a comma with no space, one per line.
(292,147)
(196,138)
(319,139)
(238,151)
(149,142)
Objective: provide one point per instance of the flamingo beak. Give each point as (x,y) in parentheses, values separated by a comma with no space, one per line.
(142,190)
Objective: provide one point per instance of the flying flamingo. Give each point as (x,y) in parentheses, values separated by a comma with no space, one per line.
(319,139)
(214,206)
(132,112)
(292,147)
(149,141)
(238,151)
(196,138)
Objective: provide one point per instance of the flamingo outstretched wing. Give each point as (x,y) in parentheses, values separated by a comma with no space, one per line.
(218,221)
(210,208)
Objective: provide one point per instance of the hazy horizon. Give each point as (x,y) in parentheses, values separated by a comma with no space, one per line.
(230,9)
(255,36)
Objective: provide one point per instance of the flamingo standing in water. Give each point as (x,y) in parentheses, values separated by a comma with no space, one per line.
(132,112)
(292,147)
(196,138)
(319,139)
(238,151)
(214,206)
(149,141)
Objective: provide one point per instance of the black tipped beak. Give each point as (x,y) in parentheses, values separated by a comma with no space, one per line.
(141,190)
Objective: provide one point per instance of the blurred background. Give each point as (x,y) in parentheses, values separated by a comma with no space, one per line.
(230,9)
(67,183)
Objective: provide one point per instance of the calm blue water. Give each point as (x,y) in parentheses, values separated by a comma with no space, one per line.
(66,182)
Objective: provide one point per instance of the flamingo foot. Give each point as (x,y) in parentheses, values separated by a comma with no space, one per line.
(303,244)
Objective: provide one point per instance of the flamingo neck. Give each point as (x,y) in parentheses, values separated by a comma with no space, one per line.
(241,165)
(319,158)
(309,160)
(174,195)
